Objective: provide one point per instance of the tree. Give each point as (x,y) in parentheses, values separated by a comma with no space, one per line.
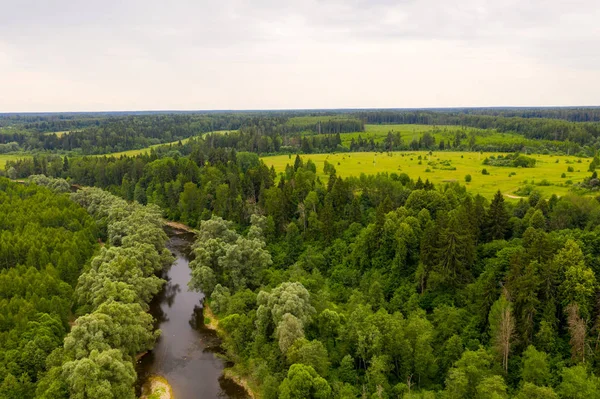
(103,375)
(579,284)
(468,372)
(289,329)
(492,387)
(311,353)
(294,243)
(538,220)
(457,249)
(502,328)
(290,298)
(497,218)
(577,330)
(535,367)
(531,391)
(220,299)
(303,382)
(577,384)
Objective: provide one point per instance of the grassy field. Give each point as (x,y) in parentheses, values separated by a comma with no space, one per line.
(58,134)
(10,157)
(133,153)
(379,132)
(431,167)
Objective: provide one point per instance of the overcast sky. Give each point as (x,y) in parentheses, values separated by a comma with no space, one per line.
(74,55)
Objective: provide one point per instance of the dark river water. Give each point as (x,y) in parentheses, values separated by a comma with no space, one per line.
(185,353)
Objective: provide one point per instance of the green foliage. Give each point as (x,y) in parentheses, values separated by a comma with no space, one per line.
(116,287)
(303,382)
(45,240)
(513,160)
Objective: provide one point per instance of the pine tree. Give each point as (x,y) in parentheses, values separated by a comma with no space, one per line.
(497,218)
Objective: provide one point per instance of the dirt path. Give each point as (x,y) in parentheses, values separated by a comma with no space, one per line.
(513,196)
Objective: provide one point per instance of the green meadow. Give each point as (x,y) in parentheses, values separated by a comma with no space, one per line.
(58,134)
(10,157)
(442,167)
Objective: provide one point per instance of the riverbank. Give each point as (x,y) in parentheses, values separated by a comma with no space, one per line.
(230,372)
(157,387)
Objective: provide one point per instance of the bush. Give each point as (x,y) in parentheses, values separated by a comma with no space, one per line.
(570,169)
(484,171)
(564,175)
(468,178)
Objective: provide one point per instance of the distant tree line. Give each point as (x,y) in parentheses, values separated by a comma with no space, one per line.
(283,132)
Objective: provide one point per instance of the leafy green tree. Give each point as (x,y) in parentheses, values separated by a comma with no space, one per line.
(303,382)
(290,298)
(289,329)
(492,387)
(104,374)
(220,299)
(310,353)
(535,367)
(531,391)
(347,371)
(579,282)
(468,372)
(577,384)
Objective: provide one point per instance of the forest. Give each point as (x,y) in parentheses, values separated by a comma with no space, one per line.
(375,286)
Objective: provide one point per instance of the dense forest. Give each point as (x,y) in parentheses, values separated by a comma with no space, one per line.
(45,241)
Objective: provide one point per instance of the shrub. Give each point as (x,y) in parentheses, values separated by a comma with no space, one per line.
(484,171)
(570,169)
(564,175)
(468,178)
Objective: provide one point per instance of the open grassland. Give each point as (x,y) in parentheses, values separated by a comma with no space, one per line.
(407,132)
(438,169)
(58,134)
(10,157)
(133,153)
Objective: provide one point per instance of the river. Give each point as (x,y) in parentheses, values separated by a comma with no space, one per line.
(185,353)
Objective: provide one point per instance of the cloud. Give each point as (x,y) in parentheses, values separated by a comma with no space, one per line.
(73,55)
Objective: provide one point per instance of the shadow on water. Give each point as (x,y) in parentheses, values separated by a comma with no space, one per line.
(186,353)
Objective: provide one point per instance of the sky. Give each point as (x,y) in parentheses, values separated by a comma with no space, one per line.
(73,55)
